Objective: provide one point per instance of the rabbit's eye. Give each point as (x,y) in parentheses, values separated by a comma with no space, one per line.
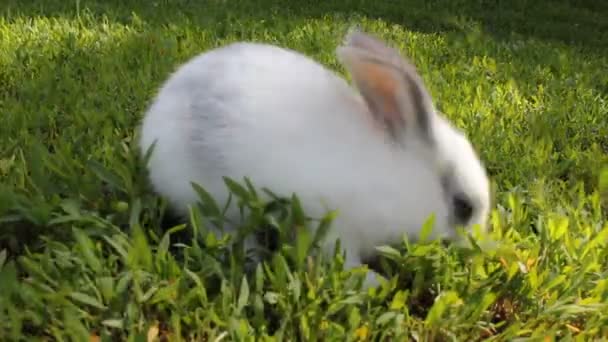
(463,208)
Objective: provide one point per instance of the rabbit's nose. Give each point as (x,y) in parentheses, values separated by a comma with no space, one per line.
(462,208)
(446,242)
(373,262)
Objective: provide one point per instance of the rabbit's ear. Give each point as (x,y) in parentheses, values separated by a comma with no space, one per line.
(390,85)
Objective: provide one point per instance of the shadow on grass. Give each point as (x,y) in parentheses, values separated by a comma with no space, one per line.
(579,26)
(580,22)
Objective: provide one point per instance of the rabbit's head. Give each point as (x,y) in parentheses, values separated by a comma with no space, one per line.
(442,172)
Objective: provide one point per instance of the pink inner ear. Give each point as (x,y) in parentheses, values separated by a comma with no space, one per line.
(380,89)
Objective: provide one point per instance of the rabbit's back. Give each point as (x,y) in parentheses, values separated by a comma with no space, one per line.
(252,110)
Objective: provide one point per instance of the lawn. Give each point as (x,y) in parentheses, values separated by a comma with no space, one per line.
(88,252)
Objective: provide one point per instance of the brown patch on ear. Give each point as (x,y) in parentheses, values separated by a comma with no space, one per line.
(379,81)
(380,89)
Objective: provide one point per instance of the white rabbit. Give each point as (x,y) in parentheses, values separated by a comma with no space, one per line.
(382,156)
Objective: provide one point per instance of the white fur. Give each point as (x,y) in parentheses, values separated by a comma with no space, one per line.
(291,125)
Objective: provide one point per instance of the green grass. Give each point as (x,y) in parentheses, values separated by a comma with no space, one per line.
(84,248)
